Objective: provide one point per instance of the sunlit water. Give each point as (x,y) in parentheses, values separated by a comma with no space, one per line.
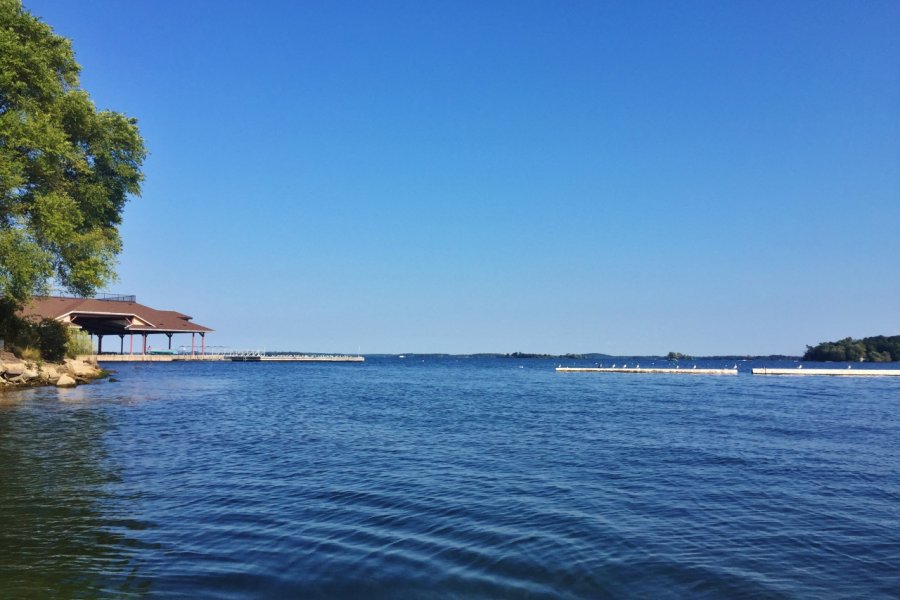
(467,478)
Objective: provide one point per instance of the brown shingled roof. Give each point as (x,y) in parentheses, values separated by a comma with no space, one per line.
(111,316)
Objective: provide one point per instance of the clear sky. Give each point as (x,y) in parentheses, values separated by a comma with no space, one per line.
(618,177)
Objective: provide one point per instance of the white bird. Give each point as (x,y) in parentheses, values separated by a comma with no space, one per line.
(849,366)
(614,365)
(694,367)
(637,366)
(799,366)
(735,366)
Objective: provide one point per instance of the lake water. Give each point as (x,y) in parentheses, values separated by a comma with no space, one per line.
(449,478)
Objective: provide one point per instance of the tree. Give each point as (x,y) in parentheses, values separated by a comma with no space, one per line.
(875,349)
(66,169)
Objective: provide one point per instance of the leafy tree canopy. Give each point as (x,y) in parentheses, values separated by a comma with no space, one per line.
(66,169)
(873,349)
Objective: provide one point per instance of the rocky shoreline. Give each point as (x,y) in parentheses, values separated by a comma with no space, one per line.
(16,372)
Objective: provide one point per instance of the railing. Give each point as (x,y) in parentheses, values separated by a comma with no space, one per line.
(218,350)
(116,297)
(57,293)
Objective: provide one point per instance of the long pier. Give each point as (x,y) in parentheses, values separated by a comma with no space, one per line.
(245,357)
(848,372)
(156,357)
(665,371)
(297,358)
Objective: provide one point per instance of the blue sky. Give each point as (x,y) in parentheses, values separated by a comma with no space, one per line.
(628,178)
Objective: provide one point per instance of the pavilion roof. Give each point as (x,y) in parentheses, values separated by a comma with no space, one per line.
(112,316)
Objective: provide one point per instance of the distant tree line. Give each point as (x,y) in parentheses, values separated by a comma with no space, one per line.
(872,349)
(532,355)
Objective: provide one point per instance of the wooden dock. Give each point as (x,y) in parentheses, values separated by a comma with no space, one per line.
(664,371)
(850,372)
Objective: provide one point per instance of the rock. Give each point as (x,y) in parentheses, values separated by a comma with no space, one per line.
(29,374)
(13,369)
(65,381)
(50,373)
(79,368)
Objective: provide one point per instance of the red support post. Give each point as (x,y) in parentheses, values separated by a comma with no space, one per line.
(192,344)
(144,350)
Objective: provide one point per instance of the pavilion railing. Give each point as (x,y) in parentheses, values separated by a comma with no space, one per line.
(116,297)
(55,293)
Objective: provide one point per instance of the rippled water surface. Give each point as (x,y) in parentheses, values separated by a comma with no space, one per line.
(468,478)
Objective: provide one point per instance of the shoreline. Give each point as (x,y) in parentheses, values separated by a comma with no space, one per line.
(17,373)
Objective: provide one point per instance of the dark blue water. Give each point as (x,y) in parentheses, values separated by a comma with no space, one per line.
(465,478)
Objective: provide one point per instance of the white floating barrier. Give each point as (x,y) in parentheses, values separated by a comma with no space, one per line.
(693,371)
(849,372)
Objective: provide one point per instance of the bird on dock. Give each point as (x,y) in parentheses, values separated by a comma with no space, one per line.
(694,367)
(637,366)
(614,365)
(799,366)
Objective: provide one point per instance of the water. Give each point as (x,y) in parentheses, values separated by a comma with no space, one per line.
(466,478)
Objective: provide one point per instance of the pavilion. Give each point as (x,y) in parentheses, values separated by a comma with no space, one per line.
(116,315)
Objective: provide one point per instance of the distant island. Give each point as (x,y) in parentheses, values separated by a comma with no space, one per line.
(871,349)
(532,355)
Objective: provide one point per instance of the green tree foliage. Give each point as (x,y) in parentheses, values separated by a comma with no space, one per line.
(66,169)
(45,338)
(78,343)
(872,349)
(52,339)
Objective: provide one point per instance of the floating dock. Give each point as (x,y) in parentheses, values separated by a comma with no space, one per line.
(850,372)
(639,370)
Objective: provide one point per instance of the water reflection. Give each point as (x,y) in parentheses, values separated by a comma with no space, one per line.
(63,534)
